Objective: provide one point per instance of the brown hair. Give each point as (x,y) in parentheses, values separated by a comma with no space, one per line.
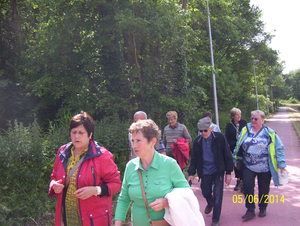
(147,127)
(207,113)
(84,119)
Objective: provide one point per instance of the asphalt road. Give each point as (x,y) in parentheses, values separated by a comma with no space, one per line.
(284,205)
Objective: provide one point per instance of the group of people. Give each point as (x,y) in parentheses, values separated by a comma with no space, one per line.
(85,177)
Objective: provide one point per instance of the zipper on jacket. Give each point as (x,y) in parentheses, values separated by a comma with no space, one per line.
(92,222)
(79,206)
(93,172)
(107,217)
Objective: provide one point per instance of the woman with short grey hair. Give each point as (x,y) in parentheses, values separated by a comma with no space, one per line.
(262,153)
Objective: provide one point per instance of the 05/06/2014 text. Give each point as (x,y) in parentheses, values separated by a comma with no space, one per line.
(255,199)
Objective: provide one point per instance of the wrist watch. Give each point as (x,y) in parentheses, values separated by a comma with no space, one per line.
(98,190)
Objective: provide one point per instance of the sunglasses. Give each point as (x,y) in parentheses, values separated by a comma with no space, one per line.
(256,119)
(201,131)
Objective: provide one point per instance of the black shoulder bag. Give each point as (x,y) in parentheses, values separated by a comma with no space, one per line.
(240,162)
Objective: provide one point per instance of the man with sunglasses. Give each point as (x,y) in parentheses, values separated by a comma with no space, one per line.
(211,158)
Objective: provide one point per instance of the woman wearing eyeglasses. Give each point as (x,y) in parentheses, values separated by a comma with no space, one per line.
(232,132)
(262,153)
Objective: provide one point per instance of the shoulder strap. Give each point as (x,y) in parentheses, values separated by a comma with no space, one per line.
(144,196)
(233,125)
(73,170)
(252,139)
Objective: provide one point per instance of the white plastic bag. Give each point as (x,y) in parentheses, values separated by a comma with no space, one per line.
(283,177)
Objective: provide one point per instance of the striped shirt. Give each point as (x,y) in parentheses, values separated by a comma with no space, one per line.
(173,133)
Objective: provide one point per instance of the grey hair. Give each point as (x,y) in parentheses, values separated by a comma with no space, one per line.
(258,112)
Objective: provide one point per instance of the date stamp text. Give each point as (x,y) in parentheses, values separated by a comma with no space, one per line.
(256,199)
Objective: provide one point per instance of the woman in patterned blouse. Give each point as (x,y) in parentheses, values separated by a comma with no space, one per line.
(262,152)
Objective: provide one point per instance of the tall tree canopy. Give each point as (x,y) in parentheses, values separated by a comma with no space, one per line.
(115,57)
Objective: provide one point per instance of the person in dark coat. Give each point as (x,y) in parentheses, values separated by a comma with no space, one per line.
(232,132)
(211,158)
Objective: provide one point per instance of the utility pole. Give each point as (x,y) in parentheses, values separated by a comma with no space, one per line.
(254,61)
(213,69)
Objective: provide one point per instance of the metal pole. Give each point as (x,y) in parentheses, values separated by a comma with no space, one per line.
(272,92)
(255,84)
(267,100)
(213,68)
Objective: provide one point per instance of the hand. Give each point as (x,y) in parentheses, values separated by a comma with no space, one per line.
(57,186)
(190,178)
(234,164)
(159,204)
(227,179)
(118,223)
(282,169)
(85,192)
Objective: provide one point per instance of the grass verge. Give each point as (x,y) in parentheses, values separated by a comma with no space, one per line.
(294,114)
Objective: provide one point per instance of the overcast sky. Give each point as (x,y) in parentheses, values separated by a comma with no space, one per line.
(282,18)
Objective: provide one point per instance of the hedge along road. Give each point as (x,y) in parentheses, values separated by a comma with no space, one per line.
(284,201)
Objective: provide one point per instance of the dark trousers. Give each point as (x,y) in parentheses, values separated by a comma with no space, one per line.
(238,173)
(264,180)
(216,198)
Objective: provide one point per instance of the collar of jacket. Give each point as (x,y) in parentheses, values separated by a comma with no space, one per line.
(200,137)
(93,151)
(176,125)
(154,164)
(266,129)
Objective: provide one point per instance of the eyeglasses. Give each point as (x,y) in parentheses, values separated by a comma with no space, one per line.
(256,119)
(201,131)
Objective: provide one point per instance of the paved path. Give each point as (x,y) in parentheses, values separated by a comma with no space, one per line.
(278,213)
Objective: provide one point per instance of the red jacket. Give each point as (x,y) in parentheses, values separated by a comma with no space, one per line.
(97,169)
(181,151)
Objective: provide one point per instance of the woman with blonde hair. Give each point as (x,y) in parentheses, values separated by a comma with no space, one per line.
(232,132)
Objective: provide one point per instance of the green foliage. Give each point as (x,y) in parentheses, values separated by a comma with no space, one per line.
(292,86)
(292,100)
(112,133)
(111,57)
(25,172)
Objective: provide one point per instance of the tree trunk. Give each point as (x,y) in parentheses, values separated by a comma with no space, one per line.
(136,59)
(16,25)
(184,3)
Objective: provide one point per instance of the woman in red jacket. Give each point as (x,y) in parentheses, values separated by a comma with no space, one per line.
(84,178)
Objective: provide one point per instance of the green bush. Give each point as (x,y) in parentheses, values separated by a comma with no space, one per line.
(112,134)
(25,179)
(292,100)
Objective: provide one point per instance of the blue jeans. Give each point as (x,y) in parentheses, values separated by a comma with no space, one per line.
(264,180)
(216,198)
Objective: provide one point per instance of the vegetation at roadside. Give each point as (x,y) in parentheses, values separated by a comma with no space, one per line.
(293,111)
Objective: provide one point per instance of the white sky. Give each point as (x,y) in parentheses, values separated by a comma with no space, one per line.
(284,17)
